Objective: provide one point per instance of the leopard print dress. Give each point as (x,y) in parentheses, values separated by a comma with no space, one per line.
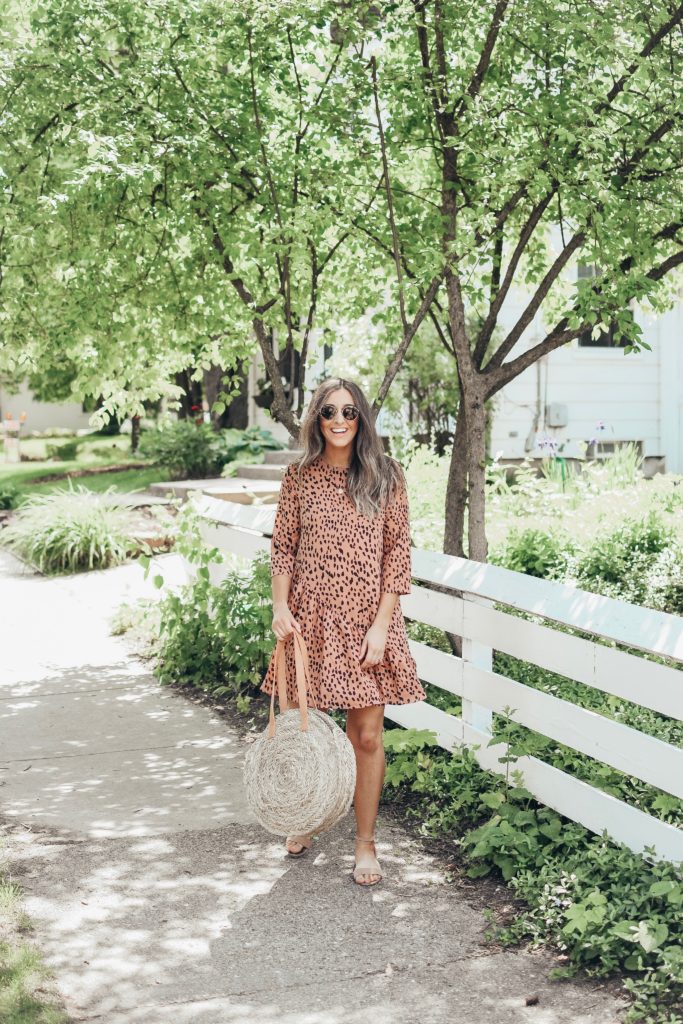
(340,563)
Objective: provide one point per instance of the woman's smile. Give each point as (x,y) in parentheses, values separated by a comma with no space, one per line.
(339,433)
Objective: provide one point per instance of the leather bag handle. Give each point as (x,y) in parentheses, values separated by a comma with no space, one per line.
(302,679)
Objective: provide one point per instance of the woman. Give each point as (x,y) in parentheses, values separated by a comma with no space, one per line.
(340,558)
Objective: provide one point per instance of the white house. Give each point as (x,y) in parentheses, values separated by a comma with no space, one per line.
(589,383)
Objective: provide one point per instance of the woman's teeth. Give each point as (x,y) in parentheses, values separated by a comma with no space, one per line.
(338,430)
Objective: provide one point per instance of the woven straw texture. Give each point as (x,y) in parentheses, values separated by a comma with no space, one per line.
(300,773)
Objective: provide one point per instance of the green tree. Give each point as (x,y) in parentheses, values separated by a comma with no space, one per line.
(184,180)
(495,126)
(162,165)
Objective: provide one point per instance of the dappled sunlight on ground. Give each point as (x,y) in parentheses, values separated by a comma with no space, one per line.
(157,898)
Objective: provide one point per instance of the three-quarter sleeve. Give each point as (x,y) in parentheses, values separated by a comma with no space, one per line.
(284,543)
(396,545)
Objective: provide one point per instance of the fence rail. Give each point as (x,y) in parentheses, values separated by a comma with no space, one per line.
(466,608)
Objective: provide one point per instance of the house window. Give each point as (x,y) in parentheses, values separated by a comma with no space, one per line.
(606,339)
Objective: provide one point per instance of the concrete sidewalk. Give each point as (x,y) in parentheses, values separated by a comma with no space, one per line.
(156,898)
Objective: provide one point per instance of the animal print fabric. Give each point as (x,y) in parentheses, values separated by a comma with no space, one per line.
(340,563)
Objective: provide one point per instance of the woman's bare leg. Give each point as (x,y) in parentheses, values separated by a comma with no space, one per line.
(364,729)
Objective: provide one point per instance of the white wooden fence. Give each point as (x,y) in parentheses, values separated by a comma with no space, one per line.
(246,529)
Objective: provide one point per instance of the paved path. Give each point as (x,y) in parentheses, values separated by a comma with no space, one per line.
(156,897)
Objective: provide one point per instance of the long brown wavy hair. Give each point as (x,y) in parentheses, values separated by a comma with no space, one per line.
(373,474)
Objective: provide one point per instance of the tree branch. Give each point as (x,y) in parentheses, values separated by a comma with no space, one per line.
(390,202)
(527,316)
(561,335)
(397,359)
(485,56)
(500,296)
(280,405)
(655,39)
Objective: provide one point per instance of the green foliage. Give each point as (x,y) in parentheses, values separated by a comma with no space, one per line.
(443,791)
(624,466)
(186,449)
(217,637)
(534,552)
(604,907)
(22,991)
(426,476)
(24,978)
(252,442)
(640,562)
(145,257)
(9,494)
(627,549)
(69,531)
(190,450)
(63,452)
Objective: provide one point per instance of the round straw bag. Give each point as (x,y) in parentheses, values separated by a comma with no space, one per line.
(300,773)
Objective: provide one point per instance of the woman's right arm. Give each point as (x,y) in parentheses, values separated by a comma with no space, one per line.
(283,549)
(283,620)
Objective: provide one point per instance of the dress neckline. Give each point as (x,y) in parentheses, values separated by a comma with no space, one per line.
(334,469)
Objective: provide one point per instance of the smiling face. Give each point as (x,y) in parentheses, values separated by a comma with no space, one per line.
(338,432)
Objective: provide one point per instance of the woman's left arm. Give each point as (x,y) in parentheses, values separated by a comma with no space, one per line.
(395,580)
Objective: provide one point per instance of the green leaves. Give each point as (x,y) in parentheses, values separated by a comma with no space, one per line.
(403,740)
(589,911)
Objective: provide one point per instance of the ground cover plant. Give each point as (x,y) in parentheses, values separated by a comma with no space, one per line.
(215,637)
(603,907)
(69,531)
(24,979)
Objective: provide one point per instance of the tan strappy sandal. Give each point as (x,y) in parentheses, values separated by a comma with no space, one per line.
(359,870)
(303,841)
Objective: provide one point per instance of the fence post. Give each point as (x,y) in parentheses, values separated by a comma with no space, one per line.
(477,653)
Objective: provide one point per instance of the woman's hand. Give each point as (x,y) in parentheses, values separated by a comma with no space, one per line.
(284,622)
(373,644)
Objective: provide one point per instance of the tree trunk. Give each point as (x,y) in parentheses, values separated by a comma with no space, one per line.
(237,413)
(476,472)
(134,433)
(213,386)
(192,394)
(456,488)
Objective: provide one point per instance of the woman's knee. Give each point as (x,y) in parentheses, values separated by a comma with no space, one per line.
(367,741)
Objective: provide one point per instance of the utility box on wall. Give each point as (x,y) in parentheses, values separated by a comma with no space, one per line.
(556,414)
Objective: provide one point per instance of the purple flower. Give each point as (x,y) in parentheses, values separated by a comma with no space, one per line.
(548,442)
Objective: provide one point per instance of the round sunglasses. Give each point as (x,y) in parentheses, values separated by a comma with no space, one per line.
(349,412)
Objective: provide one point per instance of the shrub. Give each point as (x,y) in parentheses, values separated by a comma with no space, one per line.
(534,552)
(248,445)
(665,581)
(185,449)
(69,531)
(63,452)
(9,494)
(189,450)
(618,564)
(216,637)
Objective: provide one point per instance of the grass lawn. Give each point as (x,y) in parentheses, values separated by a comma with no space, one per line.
(124,481)
(93,452)
(27,993)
